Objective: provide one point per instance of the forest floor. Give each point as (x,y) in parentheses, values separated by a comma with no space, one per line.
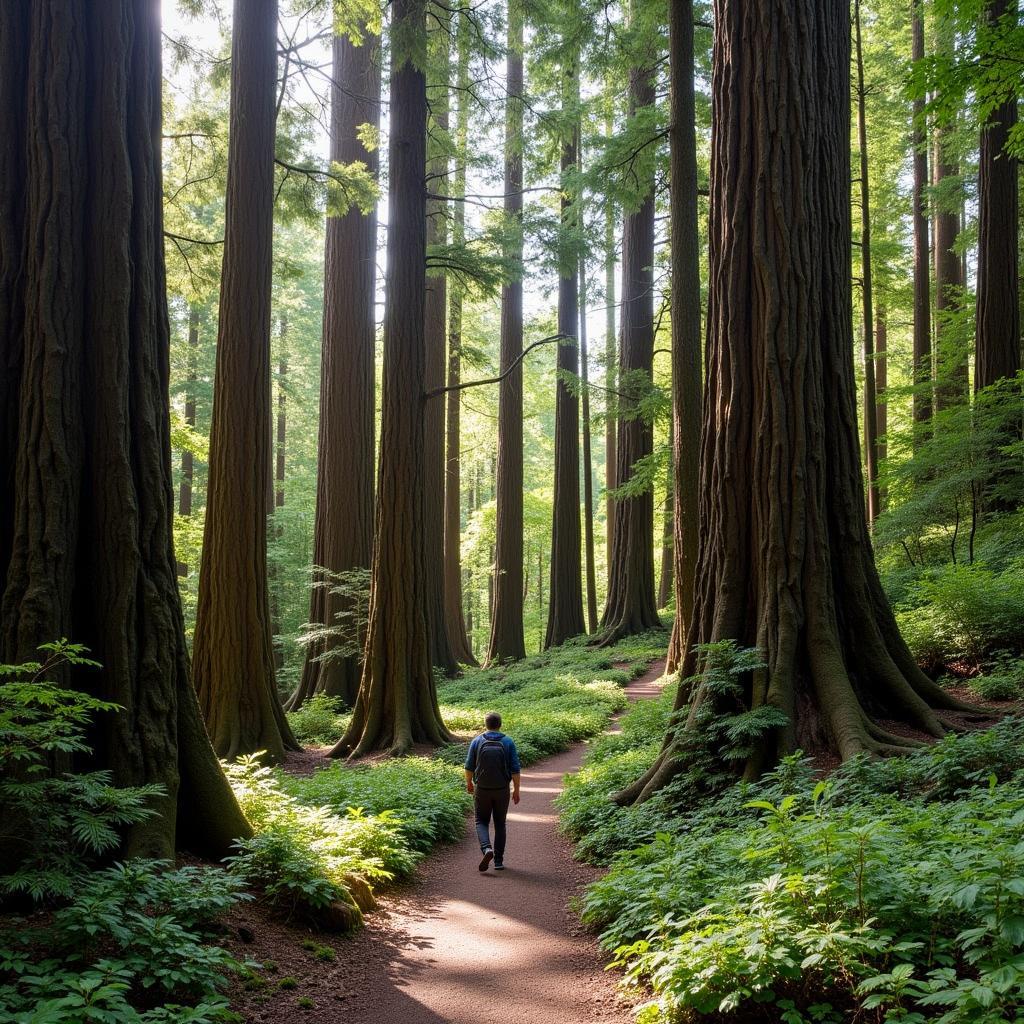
(456,945)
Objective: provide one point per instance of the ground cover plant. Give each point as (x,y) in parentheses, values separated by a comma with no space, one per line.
(890,891)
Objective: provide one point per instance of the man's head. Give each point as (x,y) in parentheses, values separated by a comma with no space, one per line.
(492,720)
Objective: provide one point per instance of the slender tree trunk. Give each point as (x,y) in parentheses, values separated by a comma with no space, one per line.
(506,640)
(187,459)
(610,353)
(454,620)
(668,516)
(397,701)
(588,465)
(881,387)
(922,344)
(233,658)
(343,528)
(951,361)
(436,337)
(87,516)
(565,602)
(273,563)
(997,353)
(867,298)
(686,325)
(630,606)
(785,558)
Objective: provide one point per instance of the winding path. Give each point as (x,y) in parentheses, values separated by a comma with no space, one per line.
(458,946)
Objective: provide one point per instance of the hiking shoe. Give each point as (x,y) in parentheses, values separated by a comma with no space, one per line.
(499,866)
(485,861)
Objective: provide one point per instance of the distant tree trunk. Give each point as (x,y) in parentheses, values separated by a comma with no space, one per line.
(506,640)
(610,354)
(565,601)
(588,465)
(86,512)
(436,337)
(997,353)
(233,657)
(867,311)
(668,516)
(281,441)
(630,606)
(687,381)
(922,345)
(343,529)
(187,459)
(397,701)
(881,387)
(454,619)
(785,558)
(951,362)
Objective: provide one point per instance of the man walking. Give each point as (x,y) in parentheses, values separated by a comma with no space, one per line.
(492,762)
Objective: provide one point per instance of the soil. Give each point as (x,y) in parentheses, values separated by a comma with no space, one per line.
(456,945)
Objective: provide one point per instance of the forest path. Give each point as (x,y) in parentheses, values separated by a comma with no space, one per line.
(460,946)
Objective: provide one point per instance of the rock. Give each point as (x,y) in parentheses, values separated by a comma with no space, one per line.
(339,916)
(247,935)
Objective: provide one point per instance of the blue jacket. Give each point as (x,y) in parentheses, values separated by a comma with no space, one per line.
(511,754)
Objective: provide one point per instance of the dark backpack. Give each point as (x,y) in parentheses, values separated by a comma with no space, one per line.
(491,764)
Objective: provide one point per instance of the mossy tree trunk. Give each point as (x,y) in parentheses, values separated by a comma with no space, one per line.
(343,527)
(506,641)
(87,508)
(397,701)
(785,562)
(233,656)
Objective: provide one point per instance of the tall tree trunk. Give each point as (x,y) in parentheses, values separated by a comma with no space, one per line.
(187,459)
(233,657)
(397,701)
(686,325)
(87,516)
(922,344)
(343,528)
(506,640)
(588,465)
(785,558)
(881,387)
(281,440)
(951,362)
(610,349)
(455,621)
(997,353)
(630,606)
(867,298)
(565,602)
(435,338)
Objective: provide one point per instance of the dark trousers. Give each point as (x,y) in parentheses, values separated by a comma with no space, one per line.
(488,802)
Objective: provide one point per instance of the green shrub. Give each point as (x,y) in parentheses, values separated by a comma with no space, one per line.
(320,720)
(1004,680)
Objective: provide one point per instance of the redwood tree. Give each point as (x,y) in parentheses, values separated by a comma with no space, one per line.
(343,529)
(397,701)
(233,656)
(506,641)
(785,560)
(565,600)
(631,607)
(922,343)
(997,349)
(87,506)
(685,310)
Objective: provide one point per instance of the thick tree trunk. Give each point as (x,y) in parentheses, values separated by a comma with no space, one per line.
(397,701)
(867,295)
(233,657)
(922,344)
(455,621)
(343,528)
(588,465)
(87,516)
(506,640)
(435,339)
(997,352)
(785,559)
(686,336)
(565,602)
(630,606)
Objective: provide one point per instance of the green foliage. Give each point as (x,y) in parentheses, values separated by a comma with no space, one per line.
(1003,680)
(896,887)
(320,720)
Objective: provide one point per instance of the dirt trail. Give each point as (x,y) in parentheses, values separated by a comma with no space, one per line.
(464,947)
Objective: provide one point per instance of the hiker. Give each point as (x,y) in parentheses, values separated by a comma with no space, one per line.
(492,762)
